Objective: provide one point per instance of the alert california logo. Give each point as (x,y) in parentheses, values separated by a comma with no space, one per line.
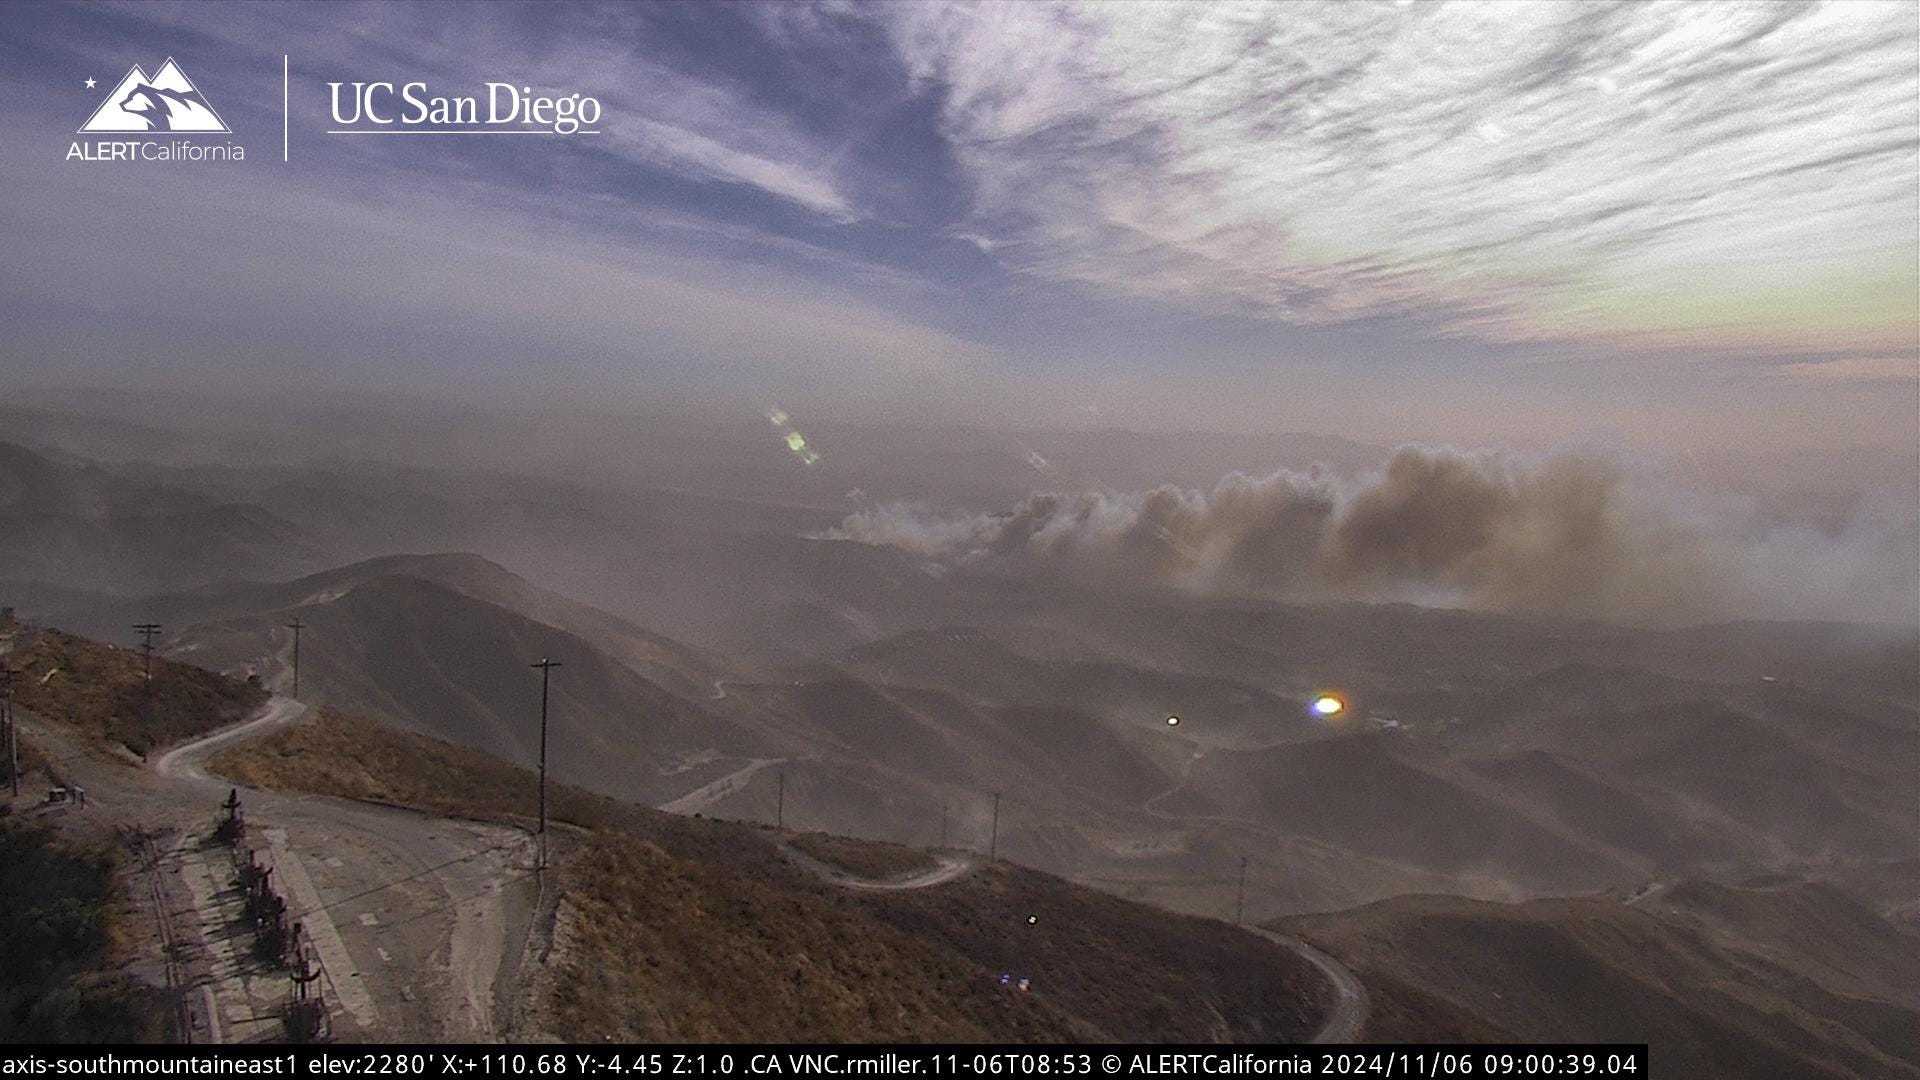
(162,117)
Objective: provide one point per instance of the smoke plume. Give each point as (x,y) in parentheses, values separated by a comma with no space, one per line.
(1567,536)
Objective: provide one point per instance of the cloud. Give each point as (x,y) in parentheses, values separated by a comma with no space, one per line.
(1381,201)
(1514,171)
(677,148)
(1857,369)
(1565,536)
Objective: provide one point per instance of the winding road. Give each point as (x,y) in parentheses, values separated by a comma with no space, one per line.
(408,913)
(948,866)
(186,760)
(704,797)
(1351,1005)
(1342,1025)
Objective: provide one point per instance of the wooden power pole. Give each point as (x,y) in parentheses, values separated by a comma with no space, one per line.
(147,631)
(1240,898)
(13,734)
(546,667)
(296,626)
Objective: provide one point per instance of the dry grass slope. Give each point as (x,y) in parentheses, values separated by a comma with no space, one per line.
(1597,970)
(679,928)
(337,753)
(62,946)
(671,949)
(869,859)
(103,690)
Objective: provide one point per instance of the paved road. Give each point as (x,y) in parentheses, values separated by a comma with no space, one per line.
(407,912)
(1351,1007)
(187,760)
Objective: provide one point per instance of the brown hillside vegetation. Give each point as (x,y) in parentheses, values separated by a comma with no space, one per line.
(1357,791)
(1834,937)
(337,753)
(870,859)
(103,690)
(664,948)
(1598,970)
(444,663)
(63,945)
(1134,972)
(688,928)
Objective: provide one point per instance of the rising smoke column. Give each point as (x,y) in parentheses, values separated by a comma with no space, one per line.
(1567,536)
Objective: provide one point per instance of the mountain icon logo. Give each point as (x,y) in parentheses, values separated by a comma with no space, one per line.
(167,102)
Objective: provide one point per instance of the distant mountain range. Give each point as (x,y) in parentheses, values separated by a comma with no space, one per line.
(1760,979)
(1493,756)
(75,525)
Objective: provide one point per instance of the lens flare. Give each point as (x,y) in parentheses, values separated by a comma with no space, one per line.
(1328,705)
(796,442)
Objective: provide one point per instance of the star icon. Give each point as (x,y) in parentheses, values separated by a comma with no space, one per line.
(89,84)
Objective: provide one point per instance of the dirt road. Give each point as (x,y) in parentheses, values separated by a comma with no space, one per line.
(947,867)
(407,912)
(704,797)
(1351,1006)
(1342,1025)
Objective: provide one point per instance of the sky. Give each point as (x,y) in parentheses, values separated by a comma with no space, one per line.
(1650,225)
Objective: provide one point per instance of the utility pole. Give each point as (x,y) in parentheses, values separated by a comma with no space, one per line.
(546,667)
(993,837)
(780,801)
(296,626)
(1240,898)
(147,631)
(13,738)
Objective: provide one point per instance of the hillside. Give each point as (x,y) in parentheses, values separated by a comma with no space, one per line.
(687,928)
(255,605)
(104,691)
(1483,755)
(66,945)
(443,663)
(1358,793)
(1579,801)
(72,523)
(995,671)
(1488,755)
(1834,938)
(1742,1002)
